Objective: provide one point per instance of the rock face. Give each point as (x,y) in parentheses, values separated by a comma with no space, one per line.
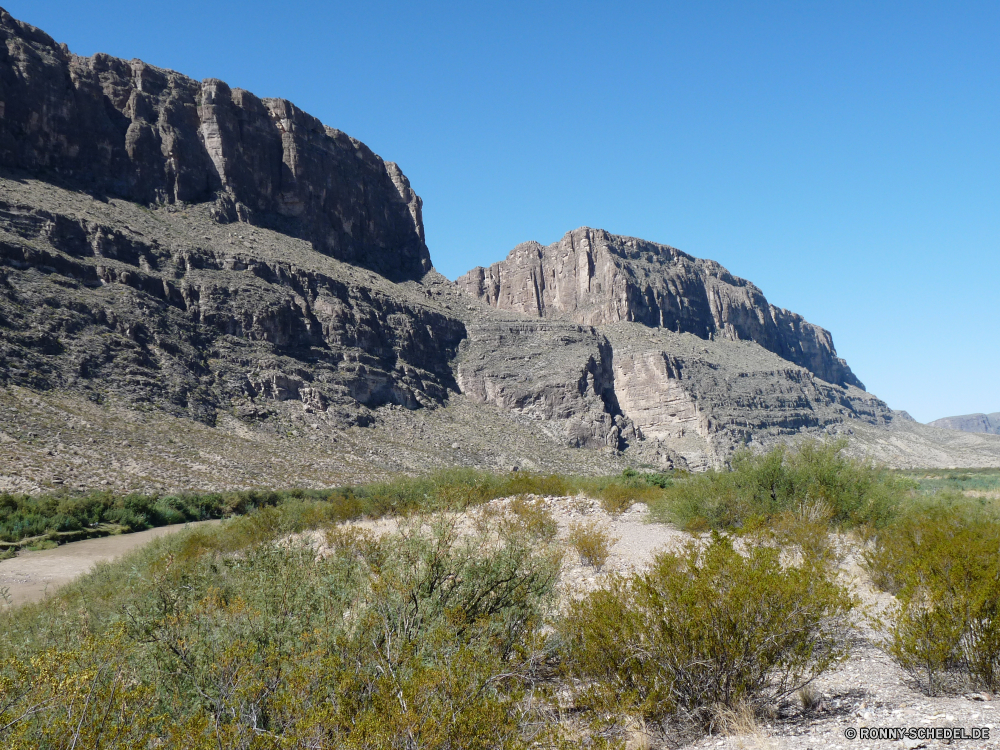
(593,277)
(667,399)
(175,252)
(986,423)
(133,131)
(172,310)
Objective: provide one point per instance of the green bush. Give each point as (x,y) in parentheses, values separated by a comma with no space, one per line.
(618,493)
(535,517)
(706,629)
(223,637)
(23,516)
(759,487)
(942,565)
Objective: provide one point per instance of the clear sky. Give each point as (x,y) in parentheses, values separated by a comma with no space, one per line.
(845,157)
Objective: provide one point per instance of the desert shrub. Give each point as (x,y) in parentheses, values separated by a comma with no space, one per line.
(222,637)
(165,514)
(618,493)
(127,518)
(24,516)
(942,565)
(535,517)
(706,629)
(759,487)
(43,544)
(803,532)
(591,543)
(63,522)
(95,678)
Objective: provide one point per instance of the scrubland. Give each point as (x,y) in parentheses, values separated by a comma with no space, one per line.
(453,626)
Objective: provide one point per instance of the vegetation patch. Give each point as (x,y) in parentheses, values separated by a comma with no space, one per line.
(706,630)
(761,487)
(225,637)
(941,563)
(958,481)
(591,542)
(63,518)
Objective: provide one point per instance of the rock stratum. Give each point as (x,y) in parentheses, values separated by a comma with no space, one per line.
(596,278)
(152,136)
(200,288)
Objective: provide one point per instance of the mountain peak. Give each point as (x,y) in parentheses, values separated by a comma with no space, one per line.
(594,277)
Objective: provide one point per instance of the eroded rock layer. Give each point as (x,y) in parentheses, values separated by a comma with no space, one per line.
(593,277)
(148,135)
(238,289)
(172,310)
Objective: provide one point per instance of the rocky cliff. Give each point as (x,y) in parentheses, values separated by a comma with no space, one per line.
(593,277)
(985,423)
(172,310)
(200,288)
(130,130)
(664,398)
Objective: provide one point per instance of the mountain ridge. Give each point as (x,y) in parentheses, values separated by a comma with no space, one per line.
(593,277)
(984,423)
(154,136)
(178,258)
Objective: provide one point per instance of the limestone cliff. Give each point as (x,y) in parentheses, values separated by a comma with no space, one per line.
(177,255)
(130,130)
(171,310)
(593,277)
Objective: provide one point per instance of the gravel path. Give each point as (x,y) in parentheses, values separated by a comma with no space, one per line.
(31,575)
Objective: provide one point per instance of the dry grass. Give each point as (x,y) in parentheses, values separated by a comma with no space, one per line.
(591,542)
(536,518)
(810,698)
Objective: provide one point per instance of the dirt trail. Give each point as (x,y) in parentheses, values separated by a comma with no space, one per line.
(31,575)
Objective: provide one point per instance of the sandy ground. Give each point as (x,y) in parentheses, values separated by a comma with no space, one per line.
(31,575)
(868,690)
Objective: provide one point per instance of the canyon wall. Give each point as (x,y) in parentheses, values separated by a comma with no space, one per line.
(594,277)
(130,130)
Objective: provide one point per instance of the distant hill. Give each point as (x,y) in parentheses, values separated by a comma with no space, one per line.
(988,423)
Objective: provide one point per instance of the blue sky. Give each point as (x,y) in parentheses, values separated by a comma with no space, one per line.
(845,157)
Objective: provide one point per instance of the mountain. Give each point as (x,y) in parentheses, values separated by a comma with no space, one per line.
(595,278)
(152,136)
(986,423)
(200,288)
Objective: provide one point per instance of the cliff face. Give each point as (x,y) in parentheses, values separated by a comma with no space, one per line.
(665,398)
(180,249)
(169,309)
(153,136)
(594,278)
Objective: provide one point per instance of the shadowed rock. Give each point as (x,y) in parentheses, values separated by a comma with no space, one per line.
(130,130)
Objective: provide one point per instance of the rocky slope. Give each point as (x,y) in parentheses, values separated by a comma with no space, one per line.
(199,288)
(130,130)
(986,423)
(621,342)
(171,309)
(594,278)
